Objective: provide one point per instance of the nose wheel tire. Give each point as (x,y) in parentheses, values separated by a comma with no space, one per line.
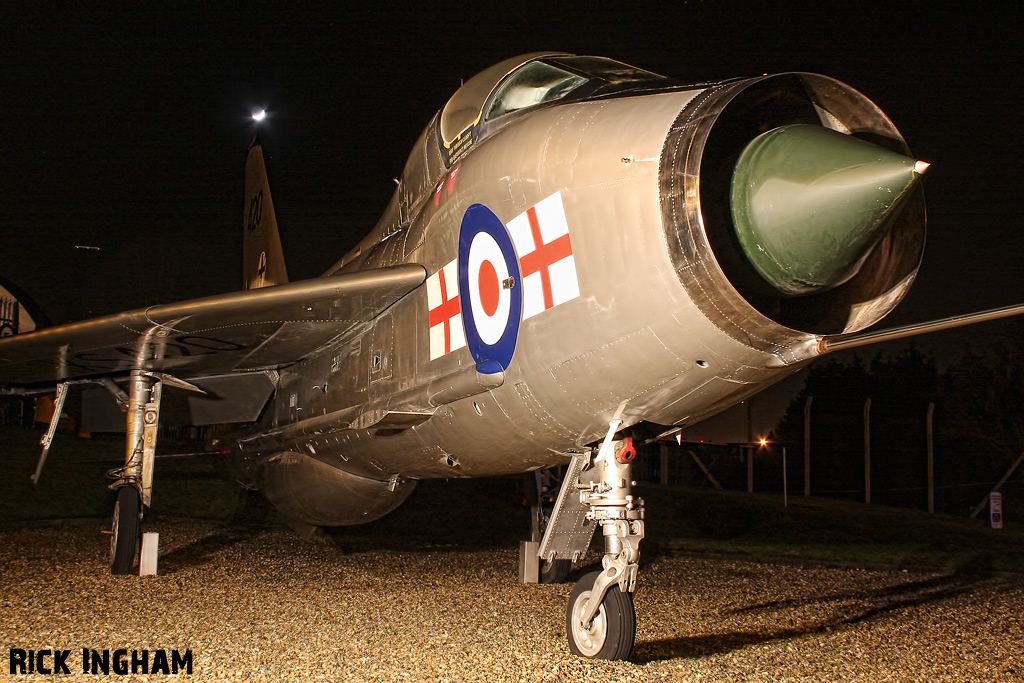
(125,528)
(612,632)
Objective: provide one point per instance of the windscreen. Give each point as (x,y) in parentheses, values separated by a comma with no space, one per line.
(531,85)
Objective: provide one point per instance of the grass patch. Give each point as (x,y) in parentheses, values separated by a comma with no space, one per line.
(823,530)
(484,512)
(74,482)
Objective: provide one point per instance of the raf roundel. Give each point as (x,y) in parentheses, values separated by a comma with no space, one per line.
(492,303)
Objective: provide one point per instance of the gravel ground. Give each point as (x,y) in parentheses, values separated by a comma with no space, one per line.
(267,605)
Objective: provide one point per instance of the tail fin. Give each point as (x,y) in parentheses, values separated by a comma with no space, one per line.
(18,312)
(263,260)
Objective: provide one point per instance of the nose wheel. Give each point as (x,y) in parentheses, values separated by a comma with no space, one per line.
(612,631)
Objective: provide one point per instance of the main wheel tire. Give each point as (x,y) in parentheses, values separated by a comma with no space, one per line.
(612,632)
(124,542)
(555,571)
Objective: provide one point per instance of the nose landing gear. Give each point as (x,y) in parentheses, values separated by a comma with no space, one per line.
(600,617)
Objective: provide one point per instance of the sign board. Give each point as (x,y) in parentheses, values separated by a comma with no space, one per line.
(995,509)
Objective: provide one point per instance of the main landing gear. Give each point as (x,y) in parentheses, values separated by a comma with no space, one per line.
(597,491)
(134,481)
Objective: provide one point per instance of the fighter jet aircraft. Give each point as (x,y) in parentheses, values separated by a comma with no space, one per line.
(575,246)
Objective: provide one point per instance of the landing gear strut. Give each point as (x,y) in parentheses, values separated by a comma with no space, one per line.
(600,618)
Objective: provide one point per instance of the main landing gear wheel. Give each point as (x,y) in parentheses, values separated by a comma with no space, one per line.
(555,571)
(612,632)
(124,542)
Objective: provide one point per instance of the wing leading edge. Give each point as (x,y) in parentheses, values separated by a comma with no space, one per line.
(236,332)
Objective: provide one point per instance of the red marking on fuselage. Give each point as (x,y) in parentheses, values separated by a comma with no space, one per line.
(544,256)
(444,312)
(451,178)
(489,287)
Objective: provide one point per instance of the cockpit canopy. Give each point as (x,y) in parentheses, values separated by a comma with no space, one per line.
(528,81)
(495,97)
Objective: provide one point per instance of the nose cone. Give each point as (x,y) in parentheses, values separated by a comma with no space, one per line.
(810,203)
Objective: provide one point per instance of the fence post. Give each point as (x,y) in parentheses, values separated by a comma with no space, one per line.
(785,481)
(867,450)
(750,450)
(931,457)
(807,446)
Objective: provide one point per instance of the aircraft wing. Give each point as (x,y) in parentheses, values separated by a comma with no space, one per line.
(228,333)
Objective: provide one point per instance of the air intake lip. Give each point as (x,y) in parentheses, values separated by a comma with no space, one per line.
(698,162)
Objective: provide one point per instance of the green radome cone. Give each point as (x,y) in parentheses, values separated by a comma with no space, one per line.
(810,203)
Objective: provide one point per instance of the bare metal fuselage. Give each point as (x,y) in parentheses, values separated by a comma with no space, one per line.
(661,330)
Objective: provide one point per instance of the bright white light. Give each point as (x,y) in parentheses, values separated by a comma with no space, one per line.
(258,114)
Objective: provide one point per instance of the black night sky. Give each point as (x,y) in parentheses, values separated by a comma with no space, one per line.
(124,127)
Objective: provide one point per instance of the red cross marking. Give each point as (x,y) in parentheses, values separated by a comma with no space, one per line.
(544,256)
(444,312)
